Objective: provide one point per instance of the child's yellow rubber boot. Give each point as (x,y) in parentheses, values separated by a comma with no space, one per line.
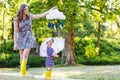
(23,68)
(48,74)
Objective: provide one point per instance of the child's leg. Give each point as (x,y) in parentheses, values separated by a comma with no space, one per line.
(48,72)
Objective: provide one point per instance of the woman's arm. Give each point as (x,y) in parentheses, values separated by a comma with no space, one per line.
(15,35)
(43,14)
(40,15)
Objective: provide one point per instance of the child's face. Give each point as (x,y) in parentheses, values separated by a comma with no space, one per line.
(50,42)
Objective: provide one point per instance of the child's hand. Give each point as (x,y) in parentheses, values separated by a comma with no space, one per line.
(57,56)
(15,48)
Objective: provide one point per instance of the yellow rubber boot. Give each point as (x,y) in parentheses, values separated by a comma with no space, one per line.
(23,68)
(48,74)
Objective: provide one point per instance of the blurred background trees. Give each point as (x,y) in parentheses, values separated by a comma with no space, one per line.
(91,31)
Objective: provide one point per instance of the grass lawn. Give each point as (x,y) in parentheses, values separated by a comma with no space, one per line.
(79,72)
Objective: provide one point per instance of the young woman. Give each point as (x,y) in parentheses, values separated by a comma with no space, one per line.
(23,36)
(50,58)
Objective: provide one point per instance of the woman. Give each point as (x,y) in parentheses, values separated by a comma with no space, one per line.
(23,37)
(50,59)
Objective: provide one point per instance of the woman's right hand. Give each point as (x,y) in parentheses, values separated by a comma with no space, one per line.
(53,8)
(15,48)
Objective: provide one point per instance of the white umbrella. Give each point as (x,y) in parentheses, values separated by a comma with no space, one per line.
(58,46)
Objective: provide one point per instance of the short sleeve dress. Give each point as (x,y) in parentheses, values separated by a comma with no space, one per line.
(25,35)
(50,58)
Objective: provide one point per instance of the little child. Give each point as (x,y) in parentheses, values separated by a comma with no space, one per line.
(50,59)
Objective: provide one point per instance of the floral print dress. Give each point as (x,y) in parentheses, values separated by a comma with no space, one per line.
(25,35)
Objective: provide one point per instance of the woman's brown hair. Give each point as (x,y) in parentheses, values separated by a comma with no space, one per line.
(21,13)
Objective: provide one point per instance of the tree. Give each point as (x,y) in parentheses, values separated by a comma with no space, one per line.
(71,10)
(101,11)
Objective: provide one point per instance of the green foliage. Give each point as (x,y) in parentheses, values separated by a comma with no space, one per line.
(9,60)
(39,26)
(99,60)
(84,15)
(82,43)
(36,61)
(91,51)
(6,45)
(13,60)
(110,46)
(109,51)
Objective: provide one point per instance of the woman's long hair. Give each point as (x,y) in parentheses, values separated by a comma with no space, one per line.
(21,13)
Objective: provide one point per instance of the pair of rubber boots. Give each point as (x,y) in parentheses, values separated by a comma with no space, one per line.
(48,74)
(23,68)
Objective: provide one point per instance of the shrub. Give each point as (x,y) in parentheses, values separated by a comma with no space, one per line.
(9,60)
(6,46)
(12,60)
(107,46)
(36,61)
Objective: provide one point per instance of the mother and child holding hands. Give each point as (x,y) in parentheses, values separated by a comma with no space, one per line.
(24,39)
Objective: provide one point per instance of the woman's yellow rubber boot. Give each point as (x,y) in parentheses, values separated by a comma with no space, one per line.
(48,74)
(23,68)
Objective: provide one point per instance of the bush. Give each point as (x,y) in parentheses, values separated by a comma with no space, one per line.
(9,60)
(12,60)
(107,46)
(109,51)
(99,60)
(84,49)
(6,46)
(36,61)
(90,50)
(110,46)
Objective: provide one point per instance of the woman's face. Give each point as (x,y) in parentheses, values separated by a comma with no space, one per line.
(26,10)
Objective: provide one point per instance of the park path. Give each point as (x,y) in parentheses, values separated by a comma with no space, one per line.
(16,74)
(80,72)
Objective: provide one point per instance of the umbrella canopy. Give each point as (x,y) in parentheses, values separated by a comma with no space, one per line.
(58,45)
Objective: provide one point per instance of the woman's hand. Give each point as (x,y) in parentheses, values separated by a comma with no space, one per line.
(15,48)
(53,8)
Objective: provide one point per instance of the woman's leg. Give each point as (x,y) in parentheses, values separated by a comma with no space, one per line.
(24,61)
(26,53)
(21,55)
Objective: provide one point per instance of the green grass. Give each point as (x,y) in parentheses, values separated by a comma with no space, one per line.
(79,72)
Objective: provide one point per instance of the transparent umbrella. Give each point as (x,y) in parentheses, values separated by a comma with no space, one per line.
(57,46)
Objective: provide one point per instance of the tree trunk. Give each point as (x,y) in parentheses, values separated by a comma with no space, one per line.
(68,55)
(118,25)
(12,28)
(3,24)
(99,34)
